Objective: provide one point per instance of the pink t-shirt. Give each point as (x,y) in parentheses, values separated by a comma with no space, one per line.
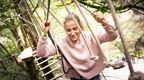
(78,54)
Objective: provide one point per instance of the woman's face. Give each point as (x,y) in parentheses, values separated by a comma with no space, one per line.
(72,31)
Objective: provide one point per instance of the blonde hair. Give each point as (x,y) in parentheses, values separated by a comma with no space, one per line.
(69,18)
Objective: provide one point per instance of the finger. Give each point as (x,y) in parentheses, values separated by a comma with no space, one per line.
(110,29)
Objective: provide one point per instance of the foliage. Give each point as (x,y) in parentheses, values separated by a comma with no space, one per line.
(9,24)
(5,13)
(139,53)
(9,70)
(120,5)
(6,25)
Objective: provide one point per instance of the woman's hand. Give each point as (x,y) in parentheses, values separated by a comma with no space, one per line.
(99,17)
(109,28)
(45,27)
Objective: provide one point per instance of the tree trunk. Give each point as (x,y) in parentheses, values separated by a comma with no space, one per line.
(31,69)
(30,36)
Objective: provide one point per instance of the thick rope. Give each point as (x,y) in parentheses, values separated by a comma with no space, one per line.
(126,53)
(78,27)
(58,48)
(93,14)
(58,22)
(52,14)
(95,37)
(48,10)
(36,10)
(55,18)
(50,33)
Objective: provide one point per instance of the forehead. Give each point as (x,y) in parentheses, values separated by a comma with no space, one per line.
(70,23)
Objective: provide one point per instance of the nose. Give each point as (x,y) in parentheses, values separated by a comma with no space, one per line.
(72,32)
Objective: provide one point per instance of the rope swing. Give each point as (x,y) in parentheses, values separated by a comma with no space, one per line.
(94,56)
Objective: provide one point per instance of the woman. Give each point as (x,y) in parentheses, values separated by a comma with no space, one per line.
(77,63)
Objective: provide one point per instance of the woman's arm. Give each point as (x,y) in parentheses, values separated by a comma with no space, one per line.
(109,34)
(45,47)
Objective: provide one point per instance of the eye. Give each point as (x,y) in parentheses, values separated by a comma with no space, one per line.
(68,30)
(75,28)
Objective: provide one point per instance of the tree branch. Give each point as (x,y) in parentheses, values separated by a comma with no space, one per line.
(104,8)
(100,7)
(134,6)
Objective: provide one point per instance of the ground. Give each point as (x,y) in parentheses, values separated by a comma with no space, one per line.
(119,74)
(123,73)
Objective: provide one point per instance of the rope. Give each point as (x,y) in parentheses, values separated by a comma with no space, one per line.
(19,15)
(86,9)
(121,36)
(56,18)
(78,27)
(48,10)
(33,18)
(50,34)
(58,50)
(95,37)
(53,15)
(38,16)
(115,20)
(103,76)
(35,25)
(38,35)
(35,10)
(92,13)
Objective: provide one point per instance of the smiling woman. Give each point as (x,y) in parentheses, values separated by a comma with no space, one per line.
(72,31)
(76,60)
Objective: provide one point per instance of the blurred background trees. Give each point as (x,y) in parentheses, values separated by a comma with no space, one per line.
(20,28)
